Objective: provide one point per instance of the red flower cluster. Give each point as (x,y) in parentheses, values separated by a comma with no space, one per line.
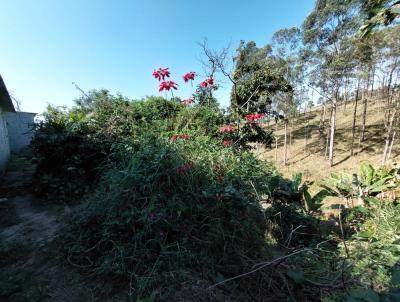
(227,129)
(187,101)
(227,142)
(254,117)
(167,85)
(179,136)
(207,83)
(183,169)
(161,73)
(189,76)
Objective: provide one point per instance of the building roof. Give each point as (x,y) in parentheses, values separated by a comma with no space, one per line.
(6,103)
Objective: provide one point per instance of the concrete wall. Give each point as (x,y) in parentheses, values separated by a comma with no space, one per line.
(4,144)
(19,125)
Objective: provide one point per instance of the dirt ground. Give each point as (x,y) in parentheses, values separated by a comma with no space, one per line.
(29,271)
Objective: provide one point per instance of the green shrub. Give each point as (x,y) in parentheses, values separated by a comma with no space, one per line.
(68,156)
(374,249)
(73,147)
(170,211)
(203,120)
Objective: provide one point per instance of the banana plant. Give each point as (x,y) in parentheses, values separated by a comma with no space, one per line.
(379,180)
(314,203)
(369,183)
(298,191)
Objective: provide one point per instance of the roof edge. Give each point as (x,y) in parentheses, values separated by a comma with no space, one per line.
(6,103)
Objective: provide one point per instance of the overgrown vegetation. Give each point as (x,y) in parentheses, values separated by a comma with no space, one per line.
(167,201)
(171,211)
(73,146)
(167,204)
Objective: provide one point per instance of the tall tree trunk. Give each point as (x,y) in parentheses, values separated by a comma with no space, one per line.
(364,118)
(332,134)
(306,134)
(391,145)
(328,135)
(345,94)
(390,81)
(276,142)
(285,143)
(388,126)
(353,126)
(373,81)
(383,87)
(322,120)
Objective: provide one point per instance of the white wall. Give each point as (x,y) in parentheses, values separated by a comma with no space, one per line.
(19,125)
(4,144)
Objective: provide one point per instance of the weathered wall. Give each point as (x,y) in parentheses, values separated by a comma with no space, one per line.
(4,144)
(19,125)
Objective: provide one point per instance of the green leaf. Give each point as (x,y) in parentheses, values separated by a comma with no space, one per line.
(336,206)
(307,198)
(296,276)
(317,199)
(364,294)
(328,300)
(395,281)
(363,235)
(150,298)
(367,173)
(218,278)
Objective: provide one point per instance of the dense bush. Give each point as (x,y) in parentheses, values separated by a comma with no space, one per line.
(72,147)
(175,199)
(68,157)
(374,249)
(170,211)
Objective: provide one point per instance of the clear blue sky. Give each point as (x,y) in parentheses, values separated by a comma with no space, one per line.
(48,44)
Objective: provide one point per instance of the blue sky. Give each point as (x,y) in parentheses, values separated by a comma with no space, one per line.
(46,44)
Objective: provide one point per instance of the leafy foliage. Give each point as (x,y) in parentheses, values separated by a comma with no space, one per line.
(374,249)
(73,146)
(370,182)
(187,207)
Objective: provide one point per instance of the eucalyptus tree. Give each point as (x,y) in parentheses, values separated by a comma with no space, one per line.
(286,47)
(327,34)
(391,53)
(379,12)
(365,57)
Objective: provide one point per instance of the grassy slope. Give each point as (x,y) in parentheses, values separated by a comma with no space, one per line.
(311,160)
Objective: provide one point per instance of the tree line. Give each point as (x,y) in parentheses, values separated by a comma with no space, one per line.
(344,51)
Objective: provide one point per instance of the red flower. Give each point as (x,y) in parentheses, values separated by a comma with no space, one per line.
(206,83)
(167,85)
(189,76)
(219,196)
(183,169)
(254,117)
(227,129)
(187,101)
(161,73)
(156,75)
(227,142)
(179,136)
